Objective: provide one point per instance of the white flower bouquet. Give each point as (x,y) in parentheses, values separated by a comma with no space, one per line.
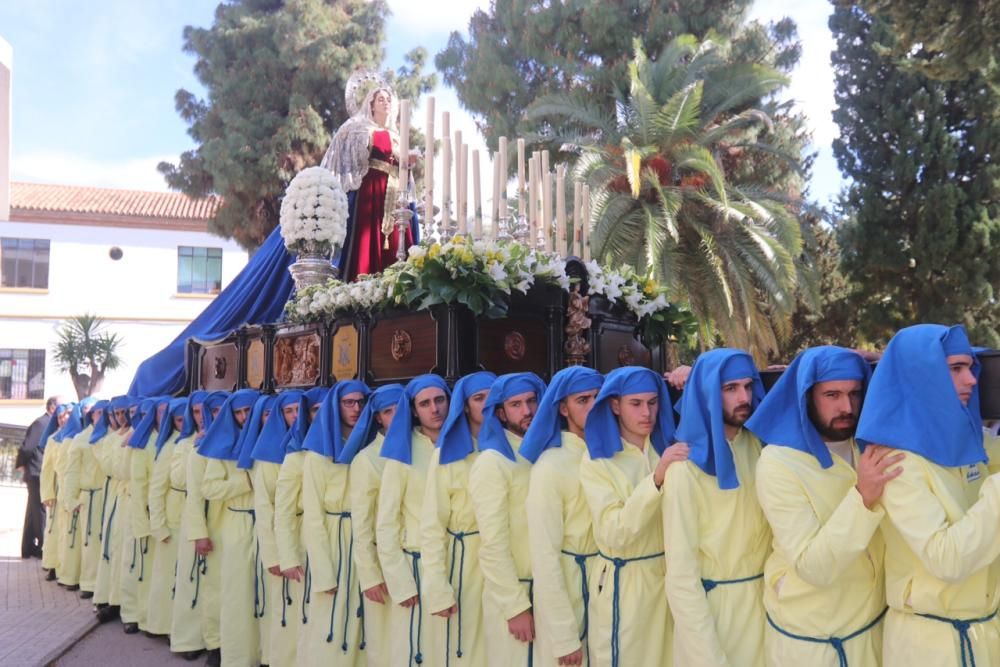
(314,213)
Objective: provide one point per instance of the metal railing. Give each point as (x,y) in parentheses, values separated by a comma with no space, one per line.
(11,437)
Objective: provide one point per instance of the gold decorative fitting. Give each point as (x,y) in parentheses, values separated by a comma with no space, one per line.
(401,346)
(514,346)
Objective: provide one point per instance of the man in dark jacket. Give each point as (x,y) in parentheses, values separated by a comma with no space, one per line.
(29,462)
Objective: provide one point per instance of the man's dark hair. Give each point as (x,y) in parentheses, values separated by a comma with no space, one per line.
(52,403)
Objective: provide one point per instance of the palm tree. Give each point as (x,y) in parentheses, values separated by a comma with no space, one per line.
(87,352)
(676,193)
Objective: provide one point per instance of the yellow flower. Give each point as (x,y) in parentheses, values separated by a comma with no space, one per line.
(458,240)
(468,257)
(434,251)
(650,287)
(418,262)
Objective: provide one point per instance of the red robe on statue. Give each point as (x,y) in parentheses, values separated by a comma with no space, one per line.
(368,251)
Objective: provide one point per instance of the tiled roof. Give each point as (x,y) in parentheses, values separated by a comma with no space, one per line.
(73,199)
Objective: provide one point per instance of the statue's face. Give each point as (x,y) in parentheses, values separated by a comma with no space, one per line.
(381,104)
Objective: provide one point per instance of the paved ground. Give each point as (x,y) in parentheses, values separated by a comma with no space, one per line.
(44,624)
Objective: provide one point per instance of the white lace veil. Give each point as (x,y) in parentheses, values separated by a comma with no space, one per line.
(347,156)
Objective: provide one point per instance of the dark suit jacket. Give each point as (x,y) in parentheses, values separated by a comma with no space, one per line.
(29,456)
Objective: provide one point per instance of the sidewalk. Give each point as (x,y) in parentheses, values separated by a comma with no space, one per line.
(39,620)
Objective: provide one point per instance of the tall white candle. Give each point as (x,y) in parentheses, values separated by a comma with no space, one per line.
(445,170)
(586,223)
(502,210)
(521,194)
(463,190)
(429,163)
(404,143)
(577,241)
(561,246)
(532,199)
(495,201)
(477,198)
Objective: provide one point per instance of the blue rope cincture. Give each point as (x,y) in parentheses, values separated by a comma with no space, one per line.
(836,642)
(458,541)
(581,562)
(616,615)
(962,627)
(416,609)
(107,531)
(710,584)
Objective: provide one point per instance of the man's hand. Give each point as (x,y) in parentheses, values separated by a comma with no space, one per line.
(410,602)
(203,547)
(676,378)
(522,626)
(377,594)
(165,540)
(294,573)
(873,472)
(574,658)
(447,613)
(49,503)
(275,570)
(76,510)
(676,452)
(332,591)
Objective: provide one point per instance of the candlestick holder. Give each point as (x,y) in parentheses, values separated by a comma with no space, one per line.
(522,231)
(402,215)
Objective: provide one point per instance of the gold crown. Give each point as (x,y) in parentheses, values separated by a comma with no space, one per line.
(359,85)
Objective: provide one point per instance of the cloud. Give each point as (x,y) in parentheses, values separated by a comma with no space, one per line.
(74,169)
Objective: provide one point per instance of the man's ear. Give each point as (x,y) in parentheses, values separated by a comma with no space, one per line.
(563,409)
(616,406)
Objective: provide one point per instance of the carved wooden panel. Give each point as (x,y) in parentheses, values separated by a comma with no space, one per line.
(255,364)
(403,346)
(296,359)
(344,360)
(512,345)
(620,348)
(219,367)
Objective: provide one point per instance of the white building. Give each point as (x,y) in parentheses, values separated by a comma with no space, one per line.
(143,261)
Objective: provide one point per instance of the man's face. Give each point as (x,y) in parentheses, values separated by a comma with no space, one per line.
(290,412)
(215,412)
(97,414)
(350,408)
(834,408)
(517,412)
(199,416)
(313,409)
(241,414)
(474,407)
(385,415)
(575,409)
(960,367)
(431,407)
(737,405)
(120,417)
(263,417)
(63,418)
(636,413)
(178,422)
(161,410)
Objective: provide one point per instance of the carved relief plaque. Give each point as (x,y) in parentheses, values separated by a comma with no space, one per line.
(296,360)
(344,364)
(514,346)
(255,364)
(401,346)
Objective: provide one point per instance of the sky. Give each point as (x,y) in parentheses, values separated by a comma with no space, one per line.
(94,83)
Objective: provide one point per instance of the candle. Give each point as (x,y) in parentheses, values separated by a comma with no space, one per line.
(577,241)
(546,202)
(495,202)
(502,206)
(456,155)
(561,210)
(477,197)
(429,164)
(463,191)
(404,143)
(532,195)
(520,177)
(586,223)
(445,170)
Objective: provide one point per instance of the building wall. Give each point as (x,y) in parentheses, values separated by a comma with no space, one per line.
(136,295)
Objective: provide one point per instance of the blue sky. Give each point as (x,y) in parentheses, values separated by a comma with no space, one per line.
(94,82)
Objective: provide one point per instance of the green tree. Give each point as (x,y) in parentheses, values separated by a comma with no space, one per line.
(518,52)
(678,193)
(87,351)
(945,39)
(274,73)
(920,240)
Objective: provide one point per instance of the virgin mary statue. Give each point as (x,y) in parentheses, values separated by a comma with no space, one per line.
(364,155)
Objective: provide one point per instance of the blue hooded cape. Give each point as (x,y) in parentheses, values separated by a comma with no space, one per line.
(782,418)
(455,439)
(296,435)
(603,436)
(189,426)
(177,407)
(364,431)
(221,437)
(268,446)
(102,424)
(72,426)
(547,426)
(52,426)
(251,430)
(398,443)
(144,429)
(492,434)
(912,403)
(325,436)
(700,409)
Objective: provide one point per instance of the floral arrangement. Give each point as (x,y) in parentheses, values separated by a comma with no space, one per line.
(482,275)
(314,212)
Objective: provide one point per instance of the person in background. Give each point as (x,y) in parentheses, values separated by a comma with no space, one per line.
(29,464)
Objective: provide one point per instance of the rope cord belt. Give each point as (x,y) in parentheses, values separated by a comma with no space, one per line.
(836,642)
(619,564)
(962,628)
(107,531)
(710,584)
(457,544)
(257,577)
(416,610)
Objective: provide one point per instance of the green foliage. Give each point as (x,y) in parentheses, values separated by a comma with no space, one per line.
(944,39)
(274,73)
(518,52)
(678,191)
(922,216)
(87,352)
